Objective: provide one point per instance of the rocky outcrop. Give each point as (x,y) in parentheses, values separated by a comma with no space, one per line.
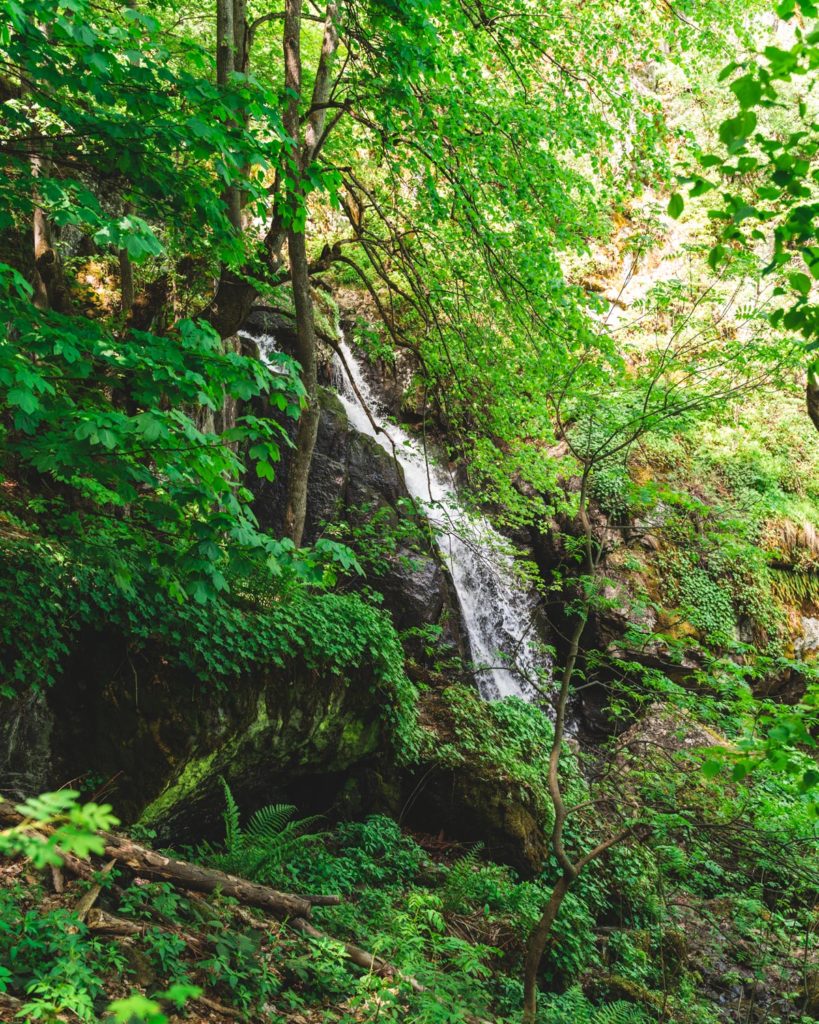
(26,725)
(154,739)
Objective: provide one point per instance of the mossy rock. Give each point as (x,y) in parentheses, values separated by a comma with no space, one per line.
(611,988)
(479,779)
(164,738)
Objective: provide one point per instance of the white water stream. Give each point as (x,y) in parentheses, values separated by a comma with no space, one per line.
(496,606)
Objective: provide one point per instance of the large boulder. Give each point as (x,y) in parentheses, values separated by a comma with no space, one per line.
(150,735)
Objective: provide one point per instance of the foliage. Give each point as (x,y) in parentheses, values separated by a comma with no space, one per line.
(71,828)
(776,155)
(474,160)
(573,1006)
(216,643)
(260,850)
(154,495)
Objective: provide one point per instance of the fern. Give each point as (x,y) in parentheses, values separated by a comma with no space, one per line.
(460,881)
(620,1013)
(574,1008)
(259,850)
(267,824)
(233,830)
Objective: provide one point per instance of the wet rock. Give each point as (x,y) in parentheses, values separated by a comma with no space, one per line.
(351,478)
(26,724)
(412,590)
(806,646)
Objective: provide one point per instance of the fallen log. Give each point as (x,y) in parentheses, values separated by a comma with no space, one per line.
(109,924)
(87,901)
(158,867)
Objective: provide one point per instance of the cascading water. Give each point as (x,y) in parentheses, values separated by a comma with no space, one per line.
(497,609)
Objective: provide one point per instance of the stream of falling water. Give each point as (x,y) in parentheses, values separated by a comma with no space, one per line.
(497,608)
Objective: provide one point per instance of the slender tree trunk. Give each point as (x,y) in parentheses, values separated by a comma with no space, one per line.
(308,422)
(539,936)
(226,39)
(304,154)
(537,944)
(812,397)
(50,290)
(296,508)
(126,273)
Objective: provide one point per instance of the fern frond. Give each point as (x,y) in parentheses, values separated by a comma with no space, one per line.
(268,822)
(269,839)
(620,1012)
(459,881)
(233,828)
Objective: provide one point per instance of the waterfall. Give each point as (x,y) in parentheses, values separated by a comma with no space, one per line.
(497,608)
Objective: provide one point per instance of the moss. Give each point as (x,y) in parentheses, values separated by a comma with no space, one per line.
(674,952)
(614,987)
(317,731)
(194,774)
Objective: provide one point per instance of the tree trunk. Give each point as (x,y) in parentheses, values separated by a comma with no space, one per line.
(812,397)
(50,291)
(126,273)
(226,39)
(537,944)
(296,509)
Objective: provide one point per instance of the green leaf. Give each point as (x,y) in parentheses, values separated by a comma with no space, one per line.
(24,398)
(675,205)
(747,90)
(800,283)
(715,256)
(736,130)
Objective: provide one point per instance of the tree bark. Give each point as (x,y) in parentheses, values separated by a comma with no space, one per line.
(296,509)
(537,944)
(126,273)
(303,155)
(50,291)
(151,864)
(812,398)
(226,55)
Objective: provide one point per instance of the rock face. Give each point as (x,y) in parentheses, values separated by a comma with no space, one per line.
(469,804)
(352,478)
(26,725)
(157,739)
